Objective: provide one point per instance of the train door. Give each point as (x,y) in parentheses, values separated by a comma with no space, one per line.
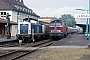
(23,28)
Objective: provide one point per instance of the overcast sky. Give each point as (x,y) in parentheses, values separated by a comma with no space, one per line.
(56,7)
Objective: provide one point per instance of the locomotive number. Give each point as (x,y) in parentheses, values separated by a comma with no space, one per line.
(55,31)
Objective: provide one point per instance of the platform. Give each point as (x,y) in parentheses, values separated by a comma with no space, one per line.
(73,40)
(4,39)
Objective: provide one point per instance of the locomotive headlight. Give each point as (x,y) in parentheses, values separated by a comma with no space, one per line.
(51,30)
(59,30)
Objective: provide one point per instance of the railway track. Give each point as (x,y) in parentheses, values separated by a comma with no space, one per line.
(37,44)
(14,55)
(15,44)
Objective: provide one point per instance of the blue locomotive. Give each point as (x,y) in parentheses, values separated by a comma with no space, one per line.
(32,30)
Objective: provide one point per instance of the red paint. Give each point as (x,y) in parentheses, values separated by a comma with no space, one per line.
(62,28)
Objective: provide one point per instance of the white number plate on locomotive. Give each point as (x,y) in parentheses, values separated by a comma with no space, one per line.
(55,31)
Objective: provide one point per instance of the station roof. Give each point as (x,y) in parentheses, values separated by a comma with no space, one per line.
(4,21)
(81,25)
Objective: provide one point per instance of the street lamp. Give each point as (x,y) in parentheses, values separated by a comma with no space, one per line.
(8,26)
(86,21)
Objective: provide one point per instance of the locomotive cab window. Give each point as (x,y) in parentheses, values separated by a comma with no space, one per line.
(52,24)
(57,24)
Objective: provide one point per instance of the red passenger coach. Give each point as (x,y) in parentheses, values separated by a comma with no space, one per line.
(57,29)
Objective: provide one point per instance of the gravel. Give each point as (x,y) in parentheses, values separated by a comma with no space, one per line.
(59,54)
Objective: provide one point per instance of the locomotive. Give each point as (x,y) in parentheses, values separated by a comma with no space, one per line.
(58,29)
(31,31)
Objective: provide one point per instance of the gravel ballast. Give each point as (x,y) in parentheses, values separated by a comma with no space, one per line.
(59,54)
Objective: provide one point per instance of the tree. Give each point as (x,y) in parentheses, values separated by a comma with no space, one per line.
(68,19)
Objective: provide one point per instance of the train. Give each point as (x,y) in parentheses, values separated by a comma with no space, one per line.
(37,30)
(72,30)
(32,31)
(59,29)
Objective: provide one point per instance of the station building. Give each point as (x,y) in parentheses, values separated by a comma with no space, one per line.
(3,27)
(18,12)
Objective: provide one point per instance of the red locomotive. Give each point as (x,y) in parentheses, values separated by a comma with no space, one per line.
(57,29)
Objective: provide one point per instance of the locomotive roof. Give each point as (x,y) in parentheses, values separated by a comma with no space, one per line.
(56,21)
(30,19)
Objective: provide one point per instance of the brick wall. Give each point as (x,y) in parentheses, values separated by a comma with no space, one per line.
(2,29)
